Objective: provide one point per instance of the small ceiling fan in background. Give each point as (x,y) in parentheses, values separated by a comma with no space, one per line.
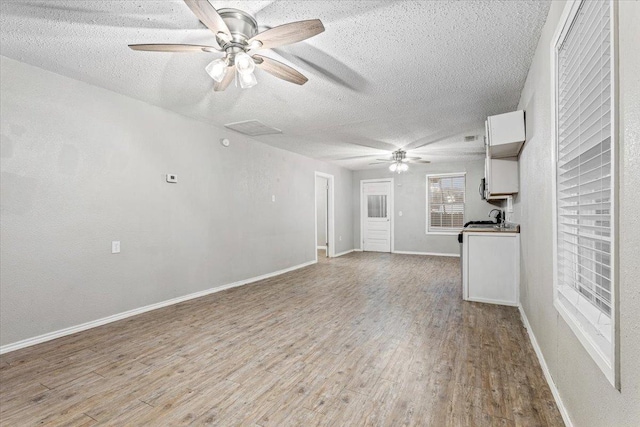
(236,34)
(399,161)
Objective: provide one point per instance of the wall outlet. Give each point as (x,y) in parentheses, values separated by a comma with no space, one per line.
(400,213)
(340,238)
(115,247)
(273,198)
(172,178)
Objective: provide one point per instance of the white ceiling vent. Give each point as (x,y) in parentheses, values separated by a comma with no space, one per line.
(252,128)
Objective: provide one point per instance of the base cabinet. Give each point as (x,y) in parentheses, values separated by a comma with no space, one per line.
(491,267)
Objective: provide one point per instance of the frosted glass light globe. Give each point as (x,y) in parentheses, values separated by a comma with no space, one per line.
(244,63)
(217,69)
(247,80)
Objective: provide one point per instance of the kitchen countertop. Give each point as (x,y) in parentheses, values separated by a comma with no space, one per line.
(488,228)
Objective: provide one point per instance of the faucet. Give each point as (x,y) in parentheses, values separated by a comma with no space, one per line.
(499,216)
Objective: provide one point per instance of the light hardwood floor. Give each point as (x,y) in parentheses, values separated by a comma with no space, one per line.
(364,339)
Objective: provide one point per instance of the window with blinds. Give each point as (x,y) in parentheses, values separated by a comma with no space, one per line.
(445,202)
(584,170)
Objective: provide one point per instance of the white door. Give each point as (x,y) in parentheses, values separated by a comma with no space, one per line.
(376,212)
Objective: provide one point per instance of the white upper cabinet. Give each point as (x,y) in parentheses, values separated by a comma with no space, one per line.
(505,134)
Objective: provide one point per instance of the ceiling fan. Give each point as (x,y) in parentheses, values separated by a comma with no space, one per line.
(399,161)
(236,34)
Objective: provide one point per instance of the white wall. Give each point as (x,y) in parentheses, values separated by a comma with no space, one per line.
(321,210)
(82,166)
(410,197)
(589,398)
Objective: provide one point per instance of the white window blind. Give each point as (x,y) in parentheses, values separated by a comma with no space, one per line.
(584,185)
(445,202)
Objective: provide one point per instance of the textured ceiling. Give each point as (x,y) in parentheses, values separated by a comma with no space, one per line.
(384,74)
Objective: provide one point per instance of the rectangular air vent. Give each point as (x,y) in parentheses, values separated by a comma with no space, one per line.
(252,128)
(470,138)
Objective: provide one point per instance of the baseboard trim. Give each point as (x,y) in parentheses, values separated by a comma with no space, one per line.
(321,247)
(357,250)
(344,253)
(425,253)
(115,317)
(545,369)
(494,301)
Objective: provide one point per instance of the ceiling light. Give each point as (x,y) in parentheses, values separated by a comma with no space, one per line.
(236,33)
(398,166)
(217,69)
(399,161)
(247,80)
(244,63)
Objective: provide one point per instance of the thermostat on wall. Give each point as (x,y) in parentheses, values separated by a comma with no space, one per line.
(172,178)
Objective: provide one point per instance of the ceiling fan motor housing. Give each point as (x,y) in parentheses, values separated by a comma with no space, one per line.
(399,155)
(242,27)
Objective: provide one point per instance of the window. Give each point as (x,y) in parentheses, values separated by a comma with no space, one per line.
(377,206)
(584,179)
(445,203)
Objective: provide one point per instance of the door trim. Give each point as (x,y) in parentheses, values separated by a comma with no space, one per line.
(391,210)
(331,235)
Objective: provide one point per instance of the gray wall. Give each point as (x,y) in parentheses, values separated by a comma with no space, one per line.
(82,166)
(410,198)
(321,209)
(589,398)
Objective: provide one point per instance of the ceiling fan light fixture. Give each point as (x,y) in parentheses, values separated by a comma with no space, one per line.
(398,166)
(236,32)
(217,69)
(244,63)
(247,80)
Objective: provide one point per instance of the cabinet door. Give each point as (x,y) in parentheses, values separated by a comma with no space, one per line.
(492,263)
(503,176)
(487,162)
(506,128)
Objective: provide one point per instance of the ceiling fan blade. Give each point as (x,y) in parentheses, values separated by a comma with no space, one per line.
(386,160)
(172,47)
(208,15)
(378,163)
(226,81)
(368,156)
(292,32)
(279,70)
(420,161)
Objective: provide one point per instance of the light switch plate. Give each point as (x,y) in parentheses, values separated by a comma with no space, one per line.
(115,247)
(172,178)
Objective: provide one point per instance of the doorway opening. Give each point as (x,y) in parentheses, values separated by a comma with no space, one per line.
(324,215)
(376,215)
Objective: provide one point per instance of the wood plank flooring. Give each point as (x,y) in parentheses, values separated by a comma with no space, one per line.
(364,339)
